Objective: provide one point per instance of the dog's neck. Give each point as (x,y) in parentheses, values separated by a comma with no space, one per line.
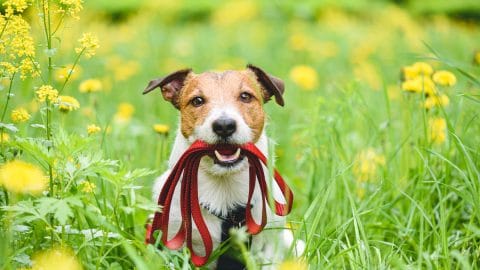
(219,193)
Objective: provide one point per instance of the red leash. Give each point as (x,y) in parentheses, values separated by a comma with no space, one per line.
(187,169)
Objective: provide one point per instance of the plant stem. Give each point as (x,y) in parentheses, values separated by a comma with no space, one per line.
(5,110)
(71,70)
(8,98)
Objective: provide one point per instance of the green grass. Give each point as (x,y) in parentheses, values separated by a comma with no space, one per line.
(419,209)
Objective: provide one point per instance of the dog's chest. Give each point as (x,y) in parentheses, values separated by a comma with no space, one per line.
(222,194)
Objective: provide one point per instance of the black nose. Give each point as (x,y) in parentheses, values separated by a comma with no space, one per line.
(224,127)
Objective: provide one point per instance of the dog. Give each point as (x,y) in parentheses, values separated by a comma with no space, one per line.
(224,108)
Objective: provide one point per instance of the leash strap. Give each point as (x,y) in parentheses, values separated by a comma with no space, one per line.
(186,172)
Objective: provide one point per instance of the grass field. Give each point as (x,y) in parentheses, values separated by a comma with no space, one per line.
(380,145)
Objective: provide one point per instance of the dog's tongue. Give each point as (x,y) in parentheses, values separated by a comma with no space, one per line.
(226,150)
(227,153)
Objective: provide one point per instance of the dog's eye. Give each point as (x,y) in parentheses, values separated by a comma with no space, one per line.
(197,101)
(246,97)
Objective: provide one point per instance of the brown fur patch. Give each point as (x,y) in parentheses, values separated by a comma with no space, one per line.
(219,89)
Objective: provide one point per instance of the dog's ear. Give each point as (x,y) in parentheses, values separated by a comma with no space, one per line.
(272,86)
(170,85)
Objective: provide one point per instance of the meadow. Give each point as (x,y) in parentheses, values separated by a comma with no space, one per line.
(379,137)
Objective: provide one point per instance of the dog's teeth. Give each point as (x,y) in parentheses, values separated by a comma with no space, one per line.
(228,158)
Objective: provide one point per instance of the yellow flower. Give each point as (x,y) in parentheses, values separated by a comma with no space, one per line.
(434,100)
(90,85)
(22,177)
(63,73)
(438,130)
(366,164)
(92,129)
(4,137)
(71,7)
(418,69)
(161,129)
(57,258)
(419,85)
(46,92)
(444,78)
(20,115)
(293,265)
(17,47)
(88,45)
(304,76)
(122,70)
(423,68)
(87,187)
(298,41)
(14,6)
(67,103)
(476,58)
(409,73)
(233,12)
(124,112)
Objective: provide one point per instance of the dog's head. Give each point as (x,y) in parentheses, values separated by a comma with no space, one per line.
(224,109)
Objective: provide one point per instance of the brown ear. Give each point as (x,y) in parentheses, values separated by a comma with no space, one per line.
(170,85)
(272,86)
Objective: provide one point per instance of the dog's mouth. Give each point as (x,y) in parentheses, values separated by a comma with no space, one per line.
(227,155)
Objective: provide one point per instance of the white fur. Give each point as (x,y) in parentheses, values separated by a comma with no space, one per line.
(221,189)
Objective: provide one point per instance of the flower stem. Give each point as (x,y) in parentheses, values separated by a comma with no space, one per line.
(71,71)
(8,99)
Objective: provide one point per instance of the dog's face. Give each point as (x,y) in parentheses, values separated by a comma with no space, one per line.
(224,109)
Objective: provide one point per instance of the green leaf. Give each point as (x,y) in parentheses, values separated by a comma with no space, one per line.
(10,127)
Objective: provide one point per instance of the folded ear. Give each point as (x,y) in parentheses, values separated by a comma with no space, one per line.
(170,85)
(271,86)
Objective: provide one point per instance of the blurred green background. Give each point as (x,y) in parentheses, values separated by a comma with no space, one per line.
(342,63)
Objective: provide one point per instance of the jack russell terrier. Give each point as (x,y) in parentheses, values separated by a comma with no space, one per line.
(225,108)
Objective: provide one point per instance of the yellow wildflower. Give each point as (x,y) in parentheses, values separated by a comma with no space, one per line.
(20,115)
(22,177)
(92,129)
(87,187)
(8,69)
(409,73)
(17,45)
(4,137)
(161,129)
(418,69)
(304,76)
(419,85)
(46,92)
(14,6)
(124,112)
(90,85)
(88,45)
(67,103)
(233,12)
(122,69)
(298,41)
(57,258)
(435,100)
(72,7)
(366,164)
(423,68)
(476,58)
(293,265)
(438,130)
(63,73)
(444,78)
